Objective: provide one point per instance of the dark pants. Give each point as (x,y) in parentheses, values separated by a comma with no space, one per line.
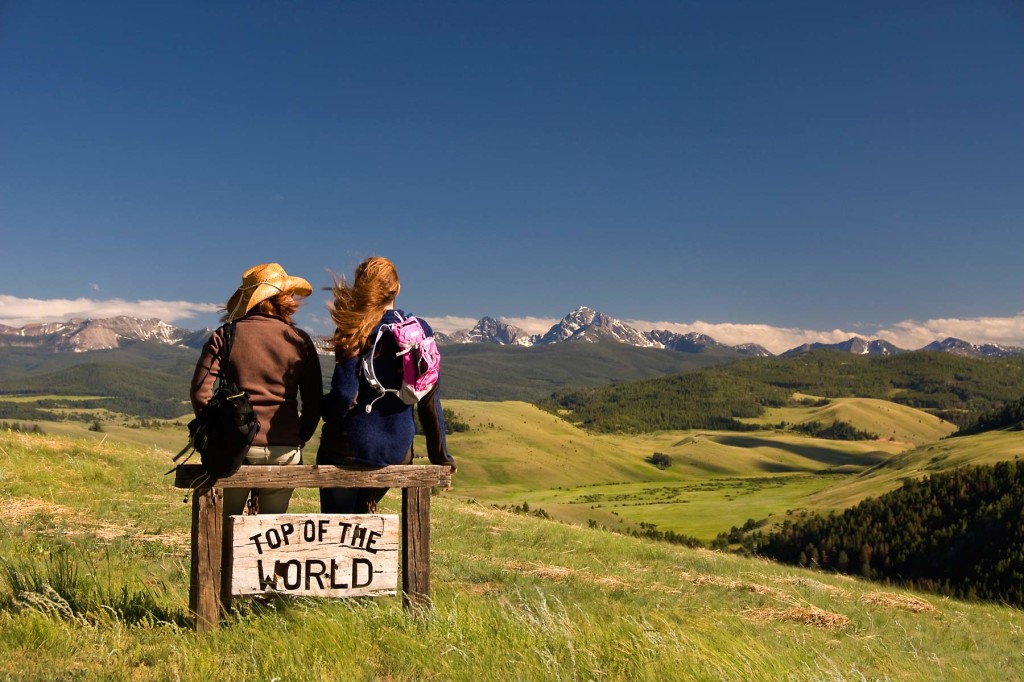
(352,500)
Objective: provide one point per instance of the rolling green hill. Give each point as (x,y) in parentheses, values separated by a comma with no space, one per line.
(885,418)
(981,449)
(956,389)
(516,453)
(95,553)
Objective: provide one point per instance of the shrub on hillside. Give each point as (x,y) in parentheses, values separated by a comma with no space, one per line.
(660,460)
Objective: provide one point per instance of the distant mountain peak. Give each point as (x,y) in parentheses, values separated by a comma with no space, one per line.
(83,335)
(586,325)
(854,345)
(489,330)
(963,348)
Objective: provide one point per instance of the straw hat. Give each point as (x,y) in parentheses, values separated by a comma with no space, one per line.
(262,282)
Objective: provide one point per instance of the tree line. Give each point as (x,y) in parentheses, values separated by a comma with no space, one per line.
(957,389)
(958,533)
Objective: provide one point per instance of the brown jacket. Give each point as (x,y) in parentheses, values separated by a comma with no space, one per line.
(277,364)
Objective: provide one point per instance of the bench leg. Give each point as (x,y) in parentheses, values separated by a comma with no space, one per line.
(416,548)
(204,583)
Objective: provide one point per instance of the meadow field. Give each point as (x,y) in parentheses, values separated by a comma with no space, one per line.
(94,583)
(515,453)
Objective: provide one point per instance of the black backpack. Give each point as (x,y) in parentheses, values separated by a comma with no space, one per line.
(227,425)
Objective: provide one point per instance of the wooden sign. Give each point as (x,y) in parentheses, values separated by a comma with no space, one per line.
(321,555)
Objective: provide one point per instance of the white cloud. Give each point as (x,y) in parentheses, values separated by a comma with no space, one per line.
(909,334)
(775,339)
(450,323)
(453,323)
(94,286)
(17,312)
(1005,331)
(532,325)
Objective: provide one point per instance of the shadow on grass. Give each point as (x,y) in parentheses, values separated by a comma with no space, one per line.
(816,453)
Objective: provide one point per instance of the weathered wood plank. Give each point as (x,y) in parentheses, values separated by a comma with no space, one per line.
(416,548)
(205,574)
(402,476)
(320,555)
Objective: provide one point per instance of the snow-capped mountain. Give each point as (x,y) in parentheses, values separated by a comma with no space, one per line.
(754,350)
(965,348)
(586,325)
(854,345)
(583,325)
(590,326)
(79,336)
(490,330)
(686,343)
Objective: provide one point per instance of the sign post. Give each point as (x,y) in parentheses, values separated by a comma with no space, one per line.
(344,555)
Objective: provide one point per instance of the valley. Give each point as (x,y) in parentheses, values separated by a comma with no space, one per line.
(516,454)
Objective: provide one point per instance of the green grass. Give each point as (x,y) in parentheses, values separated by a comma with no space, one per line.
(984,448)
(887,419)
(515,597)
(517,453)
(35,398)
(700,509)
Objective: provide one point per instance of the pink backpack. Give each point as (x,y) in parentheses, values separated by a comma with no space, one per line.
(421,362)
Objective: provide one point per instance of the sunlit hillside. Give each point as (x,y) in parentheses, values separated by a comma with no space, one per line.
(983,448)
(94,547)
(884,418)
(516,453)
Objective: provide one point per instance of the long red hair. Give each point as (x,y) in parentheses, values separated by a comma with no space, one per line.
(358,307)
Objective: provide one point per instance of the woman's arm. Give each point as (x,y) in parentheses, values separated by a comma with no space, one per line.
(432,419)
(311,387)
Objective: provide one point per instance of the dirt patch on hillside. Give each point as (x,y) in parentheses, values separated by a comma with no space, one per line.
(16,510)
(899,601)
(813,584)
(559,573)
(742,585)
(59,520)
(807,615)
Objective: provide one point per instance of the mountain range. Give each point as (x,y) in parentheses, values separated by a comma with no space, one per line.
(586,325)
(583,325)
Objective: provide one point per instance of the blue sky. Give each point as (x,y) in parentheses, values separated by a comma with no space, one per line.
(771,172)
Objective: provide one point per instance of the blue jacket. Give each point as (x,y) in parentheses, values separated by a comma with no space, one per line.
(384,435)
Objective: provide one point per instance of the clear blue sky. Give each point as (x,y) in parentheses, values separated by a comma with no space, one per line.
(808,165)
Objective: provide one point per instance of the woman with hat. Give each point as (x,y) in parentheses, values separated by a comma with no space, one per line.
(276,363)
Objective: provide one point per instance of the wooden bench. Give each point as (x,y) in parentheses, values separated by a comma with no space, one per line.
(208,597)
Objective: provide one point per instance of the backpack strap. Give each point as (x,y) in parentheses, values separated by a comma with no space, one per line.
(225,353)
(370,373)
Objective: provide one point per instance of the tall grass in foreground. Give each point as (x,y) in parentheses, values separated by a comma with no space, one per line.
(515,598)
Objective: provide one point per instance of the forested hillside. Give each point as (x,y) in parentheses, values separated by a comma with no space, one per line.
(709,399)
(957,389)
(1005,417)
(957,533)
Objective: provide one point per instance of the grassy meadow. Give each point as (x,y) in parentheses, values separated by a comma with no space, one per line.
(516,453)
(94,584)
